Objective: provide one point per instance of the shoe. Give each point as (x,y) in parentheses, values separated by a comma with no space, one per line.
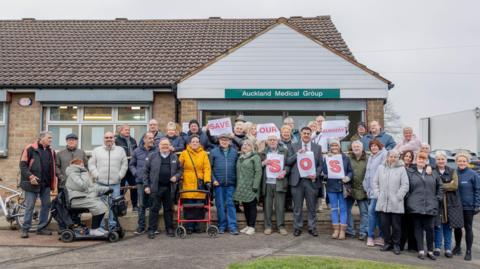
(44,232)
(468,255)
(96,232)
(396,249)
(250,231)
(336,231)
(347,235)
(157,232)
(24,234)
(362,237)
(282,231)
(297,232)
(244,230)
(421,255)
(135,209)
(313,232)
(189,231)
(379,242)
(267,231)
(151,235)
(457,250)
(386,247)
(370,242)
(448,253)
(221,231)
(139,231)
(170,233)
(341,235)
(431,256)
(436,252)
(234,232)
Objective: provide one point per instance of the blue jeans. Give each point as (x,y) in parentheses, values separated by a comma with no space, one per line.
(338,207)
(30,199)
(373,219)
(143,204)
(445,231)
(224,203)
(363,207)
(116,193)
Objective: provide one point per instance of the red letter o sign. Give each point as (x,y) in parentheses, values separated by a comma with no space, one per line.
(306,164)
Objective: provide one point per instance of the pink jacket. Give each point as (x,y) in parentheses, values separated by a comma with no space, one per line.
(414,145)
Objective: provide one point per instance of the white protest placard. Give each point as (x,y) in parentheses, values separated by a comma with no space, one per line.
(335,166)
(275,166)
(334,128)
(185,128)
(220,126)
(266,129)
(306,164)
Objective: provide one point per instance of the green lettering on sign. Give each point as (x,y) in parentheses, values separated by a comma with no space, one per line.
(282,93)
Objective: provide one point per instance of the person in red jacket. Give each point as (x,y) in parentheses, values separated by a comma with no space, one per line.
(37,168)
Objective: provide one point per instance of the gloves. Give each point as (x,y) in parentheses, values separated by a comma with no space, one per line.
(208,185)
(345,179)
(110,191)
(255,190)
(476,211)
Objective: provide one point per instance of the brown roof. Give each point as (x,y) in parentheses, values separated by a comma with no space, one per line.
(131,53)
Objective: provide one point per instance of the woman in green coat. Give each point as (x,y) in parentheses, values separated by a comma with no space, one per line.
(249,178)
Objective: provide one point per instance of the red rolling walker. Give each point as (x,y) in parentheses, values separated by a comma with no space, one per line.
(205,204)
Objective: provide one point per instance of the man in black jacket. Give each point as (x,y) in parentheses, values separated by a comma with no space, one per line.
(162,169)
(129,144)
(37,168)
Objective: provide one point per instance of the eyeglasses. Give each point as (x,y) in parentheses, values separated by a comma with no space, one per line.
(108,137)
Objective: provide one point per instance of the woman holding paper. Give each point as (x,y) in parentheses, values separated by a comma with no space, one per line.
(337,170)
(390,185)
(249,178)
(379,154)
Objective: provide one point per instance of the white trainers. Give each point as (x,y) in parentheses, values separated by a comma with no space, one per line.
(244,230)
(250,231)
(96,232)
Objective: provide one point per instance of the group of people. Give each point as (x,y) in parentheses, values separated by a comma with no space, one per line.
(403,194)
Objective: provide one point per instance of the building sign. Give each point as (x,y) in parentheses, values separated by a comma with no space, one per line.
(282,93)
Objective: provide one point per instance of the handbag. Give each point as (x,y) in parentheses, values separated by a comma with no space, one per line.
(200,182)
(347,190)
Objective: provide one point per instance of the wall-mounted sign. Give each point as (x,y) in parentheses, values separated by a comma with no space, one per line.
(25,101)
(282,93)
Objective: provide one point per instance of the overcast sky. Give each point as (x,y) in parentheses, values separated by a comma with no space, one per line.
(428,49)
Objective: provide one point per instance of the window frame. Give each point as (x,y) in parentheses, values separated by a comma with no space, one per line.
(4,126)
(80,122)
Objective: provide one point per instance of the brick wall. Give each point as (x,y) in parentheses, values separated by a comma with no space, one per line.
(188,110)
(163,109)
(375,110)
(23,129)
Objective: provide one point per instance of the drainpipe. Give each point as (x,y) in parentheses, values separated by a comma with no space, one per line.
(177,104)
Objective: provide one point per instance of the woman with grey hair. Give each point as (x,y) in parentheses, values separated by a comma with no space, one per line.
(450,213)
(390,185)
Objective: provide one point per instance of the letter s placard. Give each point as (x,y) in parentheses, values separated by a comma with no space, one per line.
(335,166)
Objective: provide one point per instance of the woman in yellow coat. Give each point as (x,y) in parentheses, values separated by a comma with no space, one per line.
(194,157)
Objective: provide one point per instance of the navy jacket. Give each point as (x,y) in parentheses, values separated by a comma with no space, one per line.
(156,139)
(122,142)
(386,139)
(151,172)
(178,143)
(137,163)
(335,184)
(224,168)
(469,187)
(204,140)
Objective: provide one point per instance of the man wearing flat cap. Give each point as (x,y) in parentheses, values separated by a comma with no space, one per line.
(64,157)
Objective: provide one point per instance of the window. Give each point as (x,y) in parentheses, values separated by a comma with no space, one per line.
(90,123)
(3,129)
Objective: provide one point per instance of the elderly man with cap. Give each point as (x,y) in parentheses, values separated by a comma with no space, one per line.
(65,156)
(223,160)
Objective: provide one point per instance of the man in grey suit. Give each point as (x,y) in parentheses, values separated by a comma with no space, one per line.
(305,188)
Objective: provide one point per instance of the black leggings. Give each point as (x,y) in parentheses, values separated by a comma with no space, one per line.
(250,210)
(97,220)
(423,223)
(468,222)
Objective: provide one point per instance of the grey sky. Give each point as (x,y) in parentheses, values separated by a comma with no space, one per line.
(429,49)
